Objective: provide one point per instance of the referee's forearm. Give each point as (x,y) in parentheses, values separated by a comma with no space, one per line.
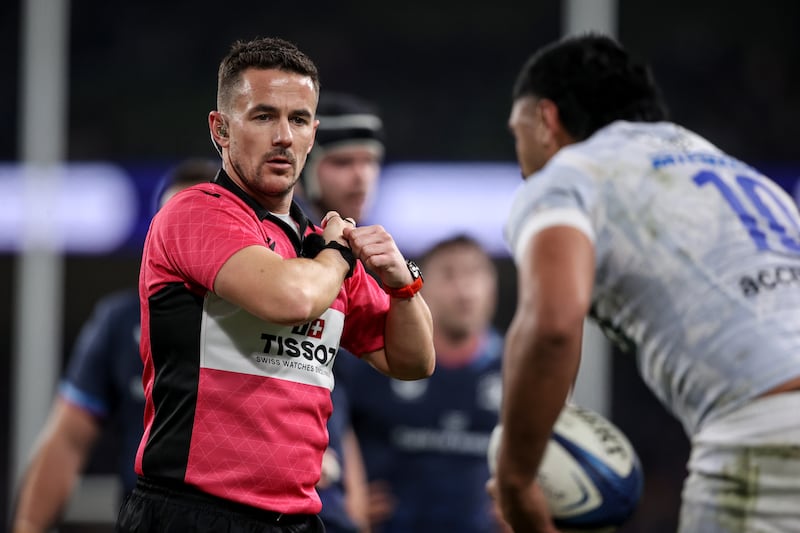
(409,339)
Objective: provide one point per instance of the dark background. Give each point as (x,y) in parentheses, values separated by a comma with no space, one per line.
(143,77)
(143,74)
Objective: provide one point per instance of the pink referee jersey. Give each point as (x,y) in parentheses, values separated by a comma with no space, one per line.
(235,406)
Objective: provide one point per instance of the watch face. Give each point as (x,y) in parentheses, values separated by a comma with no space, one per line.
(414,269)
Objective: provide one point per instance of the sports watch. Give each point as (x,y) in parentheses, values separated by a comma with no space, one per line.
(412,288)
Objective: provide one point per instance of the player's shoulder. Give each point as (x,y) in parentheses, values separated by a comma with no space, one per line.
(618,141)
(118,302)
(624,140)
(621,149)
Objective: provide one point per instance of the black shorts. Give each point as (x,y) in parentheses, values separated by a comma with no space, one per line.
(161,508)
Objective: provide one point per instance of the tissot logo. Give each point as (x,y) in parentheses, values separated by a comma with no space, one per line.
(314,329)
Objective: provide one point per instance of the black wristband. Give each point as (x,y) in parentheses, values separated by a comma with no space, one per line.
(347,254)
(314,243)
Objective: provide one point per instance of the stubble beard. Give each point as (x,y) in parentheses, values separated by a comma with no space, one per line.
(256,183)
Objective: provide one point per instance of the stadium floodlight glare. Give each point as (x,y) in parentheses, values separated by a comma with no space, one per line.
(422,203)
(76,207)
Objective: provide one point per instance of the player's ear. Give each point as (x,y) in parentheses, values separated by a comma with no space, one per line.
(551,120)
(549,114)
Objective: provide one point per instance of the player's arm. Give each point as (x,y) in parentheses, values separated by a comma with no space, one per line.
(280,290)
(408,349)
(355,481)
(542,354)
(64,446)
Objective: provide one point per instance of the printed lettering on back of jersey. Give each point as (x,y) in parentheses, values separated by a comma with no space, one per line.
(303,354)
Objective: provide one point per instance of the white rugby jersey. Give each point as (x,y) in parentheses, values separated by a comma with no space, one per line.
(697,260)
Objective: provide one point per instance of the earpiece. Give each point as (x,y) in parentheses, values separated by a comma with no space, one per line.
(222,131)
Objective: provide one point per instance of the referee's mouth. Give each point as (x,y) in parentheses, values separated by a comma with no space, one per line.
(280,163)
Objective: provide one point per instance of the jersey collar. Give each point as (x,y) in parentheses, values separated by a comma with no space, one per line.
(295,211)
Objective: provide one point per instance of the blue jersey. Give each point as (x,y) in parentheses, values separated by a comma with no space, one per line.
(428,439)
(104,374)
(334,514)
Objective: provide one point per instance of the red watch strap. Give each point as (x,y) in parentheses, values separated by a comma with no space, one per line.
(405,292)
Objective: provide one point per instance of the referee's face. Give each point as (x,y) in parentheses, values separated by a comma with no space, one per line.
(270,130)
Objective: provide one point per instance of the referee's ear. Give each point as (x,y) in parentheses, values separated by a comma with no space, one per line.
(218,127)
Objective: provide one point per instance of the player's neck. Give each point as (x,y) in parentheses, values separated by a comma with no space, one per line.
(457,350)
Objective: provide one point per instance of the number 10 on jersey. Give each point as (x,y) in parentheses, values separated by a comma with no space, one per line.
(763,219)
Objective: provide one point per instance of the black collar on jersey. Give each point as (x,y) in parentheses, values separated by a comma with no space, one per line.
(295,211)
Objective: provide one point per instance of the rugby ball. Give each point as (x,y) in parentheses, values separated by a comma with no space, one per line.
(590,474)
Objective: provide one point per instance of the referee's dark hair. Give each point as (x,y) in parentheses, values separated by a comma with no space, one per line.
(261,53)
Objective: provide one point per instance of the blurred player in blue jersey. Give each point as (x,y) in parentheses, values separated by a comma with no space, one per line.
(341,174)
(684,254)
(343,167)
(424,442)
(103,382)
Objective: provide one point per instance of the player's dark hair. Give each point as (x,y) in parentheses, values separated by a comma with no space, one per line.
(344,119)
(185,174)
(192,171)
(593,82)
(261,53)
(460,240)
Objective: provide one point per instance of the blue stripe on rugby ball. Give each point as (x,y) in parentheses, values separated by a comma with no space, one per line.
(620,494)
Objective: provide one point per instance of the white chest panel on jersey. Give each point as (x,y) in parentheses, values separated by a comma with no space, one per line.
(236,341)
